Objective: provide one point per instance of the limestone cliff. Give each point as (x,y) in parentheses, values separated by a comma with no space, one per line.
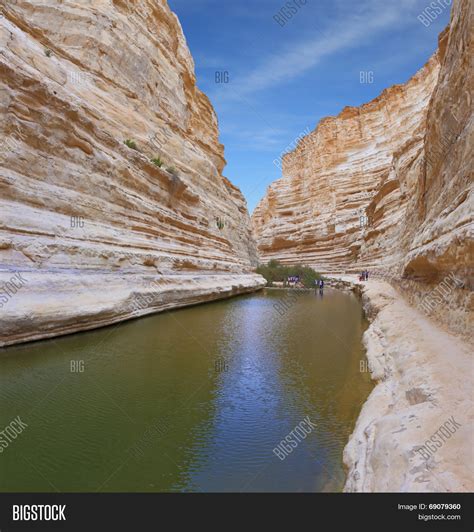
(315,212)
(87,219)
(388,186)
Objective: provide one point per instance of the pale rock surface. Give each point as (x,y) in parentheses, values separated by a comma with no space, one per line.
(313,213)
(424,378)
(84,300)
(76,80)
(403,160)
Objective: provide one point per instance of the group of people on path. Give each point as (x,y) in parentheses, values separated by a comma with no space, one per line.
(364,276)
(319,284)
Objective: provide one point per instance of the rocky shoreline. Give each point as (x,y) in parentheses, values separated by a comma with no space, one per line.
(415,430)
(65,302)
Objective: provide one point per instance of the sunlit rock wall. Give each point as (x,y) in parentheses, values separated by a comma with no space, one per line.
(388,186)
(77,79)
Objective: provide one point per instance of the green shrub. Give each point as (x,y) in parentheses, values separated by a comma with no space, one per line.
(157,162)
(48,52)
(220,223)
(131,144)
(276,272)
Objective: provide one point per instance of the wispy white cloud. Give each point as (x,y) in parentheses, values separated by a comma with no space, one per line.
(259,138)
(343,33)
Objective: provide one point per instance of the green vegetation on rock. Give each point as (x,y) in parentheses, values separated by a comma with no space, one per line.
(276,272)
(157,161)
(131,144)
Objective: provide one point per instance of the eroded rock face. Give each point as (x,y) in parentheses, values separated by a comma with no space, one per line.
(388,186)
(77,80)
(340,194)
(315,213)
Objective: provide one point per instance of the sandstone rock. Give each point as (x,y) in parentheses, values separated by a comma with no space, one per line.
(77,80)
(313,214)
(388,186)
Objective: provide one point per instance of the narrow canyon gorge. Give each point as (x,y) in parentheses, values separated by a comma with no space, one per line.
(114,205)
(388,187)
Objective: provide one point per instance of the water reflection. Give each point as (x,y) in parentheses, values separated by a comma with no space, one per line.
(195,399)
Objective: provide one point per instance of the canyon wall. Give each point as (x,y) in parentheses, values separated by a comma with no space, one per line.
(92,231)
(315,213)
(388,186)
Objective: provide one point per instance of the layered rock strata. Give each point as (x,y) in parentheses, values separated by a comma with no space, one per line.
(110,170)
(388,186)
(315,213)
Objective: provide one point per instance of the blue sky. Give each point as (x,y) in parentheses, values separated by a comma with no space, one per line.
(283,77)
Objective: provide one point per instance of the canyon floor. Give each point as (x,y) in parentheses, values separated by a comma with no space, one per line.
(424,379)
